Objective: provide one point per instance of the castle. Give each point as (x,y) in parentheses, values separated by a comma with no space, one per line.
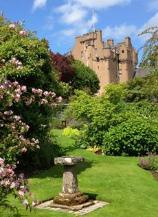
(112,63)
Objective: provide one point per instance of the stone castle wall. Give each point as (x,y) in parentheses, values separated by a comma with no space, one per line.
(112,63)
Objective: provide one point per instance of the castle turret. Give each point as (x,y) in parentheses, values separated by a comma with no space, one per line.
(112,63)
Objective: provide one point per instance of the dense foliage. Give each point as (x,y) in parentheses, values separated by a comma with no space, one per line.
(10,183)
(84,78)
(63,66)
(25,62)
(123,121)
(75,74)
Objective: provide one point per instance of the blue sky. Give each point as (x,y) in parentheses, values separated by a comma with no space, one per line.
(59,21)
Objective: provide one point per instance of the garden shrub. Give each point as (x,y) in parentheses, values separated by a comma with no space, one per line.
(118,126)
(134,137)
(84,78)
(26,59)
(70,132)
(75,74)
(17,185)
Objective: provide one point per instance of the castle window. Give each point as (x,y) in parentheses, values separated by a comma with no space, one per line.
(98,67)
(81,54)
(97,58)
(123,51)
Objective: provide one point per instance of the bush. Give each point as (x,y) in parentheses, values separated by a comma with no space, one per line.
(75,74)
(84,78)
(10,183)
(134,137)
(26,59)
(118,126)
(70,132)
(149,163)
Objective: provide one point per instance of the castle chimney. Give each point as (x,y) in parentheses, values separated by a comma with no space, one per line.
(110,43)
(128,41)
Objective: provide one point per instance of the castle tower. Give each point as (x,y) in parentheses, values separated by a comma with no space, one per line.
(127,60)
(112,63)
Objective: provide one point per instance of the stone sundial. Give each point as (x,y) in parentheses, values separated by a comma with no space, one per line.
(70,195)
(71,199)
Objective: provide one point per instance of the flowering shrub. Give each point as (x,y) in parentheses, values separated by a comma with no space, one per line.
(10,183)
(13,130)
(26,110)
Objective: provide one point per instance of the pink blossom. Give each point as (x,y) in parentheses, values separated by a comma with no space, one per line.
(8,113)
(23,33)
(12,26)
(1,161)
(13,185)
(17,97)
(17,117)
(46,93)
(24,88)
(21,193)
(24,150)
(44,101)
(59,99)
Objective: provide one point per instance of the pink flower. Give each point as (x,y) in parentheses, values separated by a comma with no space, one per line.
(23,33)
(13,185)
(12,26)
(24,88)
(21,193)
(44,101)
(10,171)
(24,150)
(1,161)
(17,97)
(8,113)
(46,93)
(16,117)
(59,99)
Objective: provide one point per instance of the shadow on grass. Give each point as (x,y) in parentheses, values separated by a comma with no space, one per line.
(57,171)
(91,196)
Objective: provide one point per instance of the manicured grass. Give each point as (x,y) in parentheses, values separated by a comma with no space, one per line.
(130,190)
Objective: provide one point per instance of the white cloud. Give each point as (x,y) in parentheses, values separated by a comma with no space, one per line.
(82,27)
(120,31)
(100,4)
(39,4)
(71,13)
(68,32)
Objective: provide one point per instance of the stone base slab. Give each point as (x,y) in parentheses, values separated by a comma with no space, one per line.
(70,199)
(82,209)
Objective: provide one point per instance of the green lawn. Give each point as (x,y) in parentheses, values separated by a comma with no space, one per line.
(130,190)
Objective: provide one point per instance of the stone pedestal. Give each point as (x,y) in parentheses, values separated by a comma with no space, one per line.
(70,195)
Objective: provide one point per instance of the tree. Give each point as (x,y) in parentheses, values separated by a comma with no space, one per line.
(150,56)
(84,78)
(63,66)
(75,74)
